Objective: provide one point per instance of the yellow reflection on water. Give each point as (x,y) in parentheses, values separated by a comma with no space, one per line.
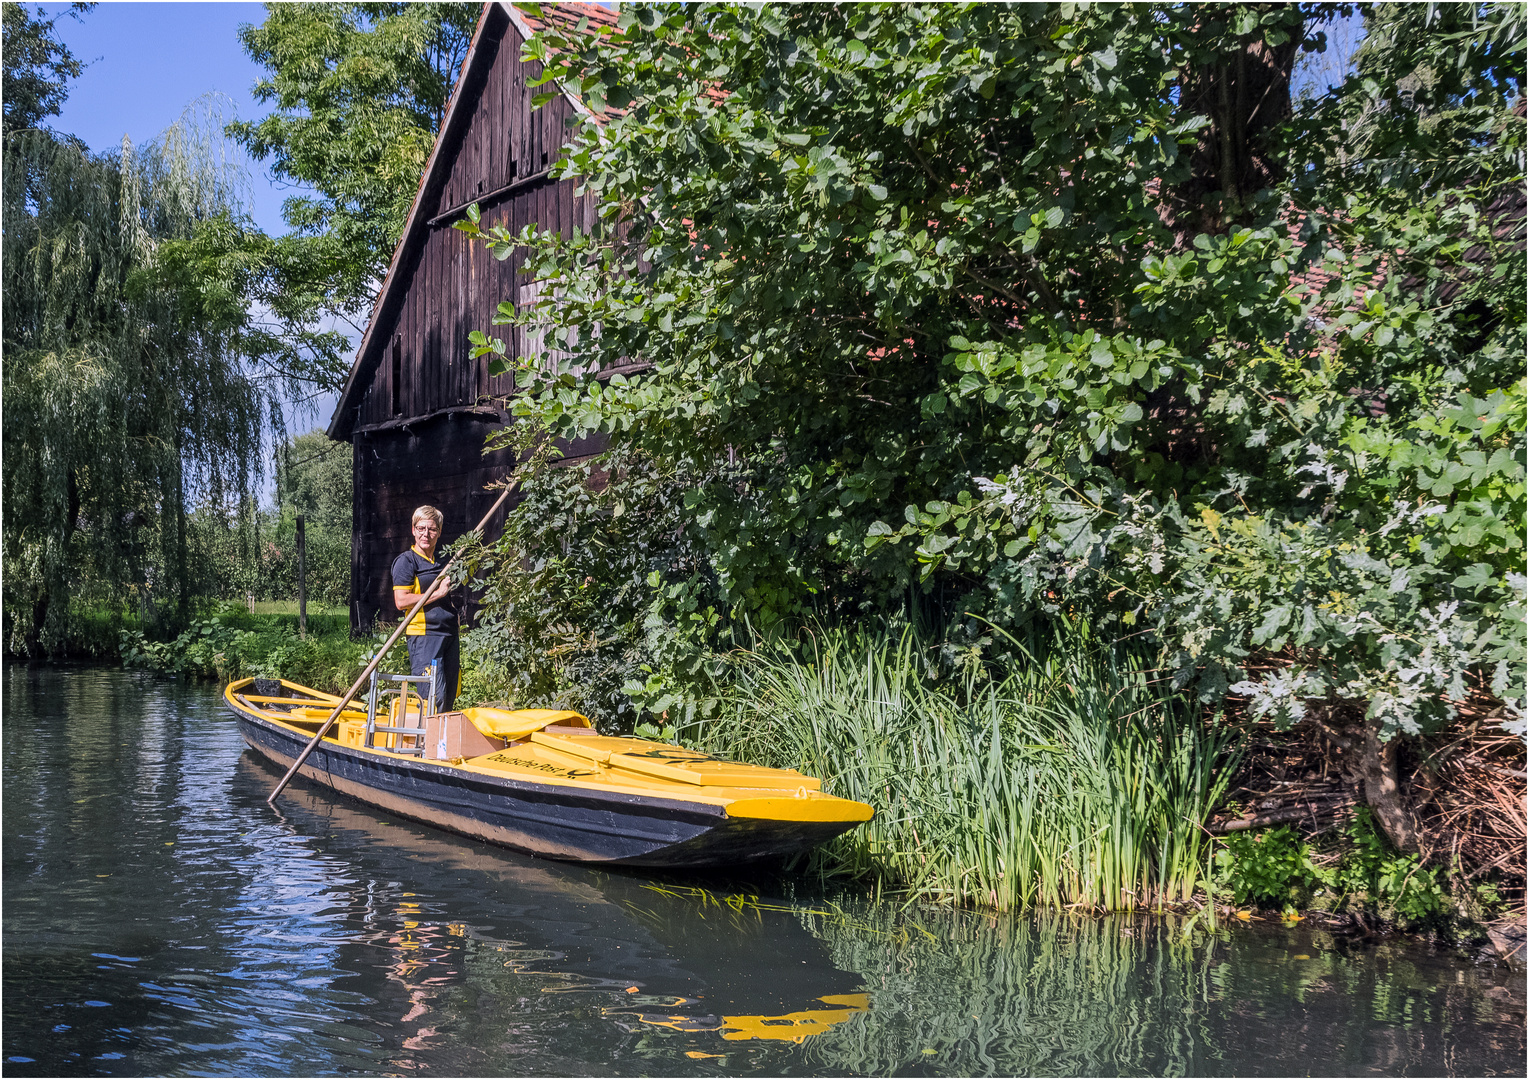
(798,1025)
(793,1027)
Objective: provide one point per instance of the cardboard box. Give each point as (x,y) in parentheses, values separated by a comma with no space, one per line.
(451,735)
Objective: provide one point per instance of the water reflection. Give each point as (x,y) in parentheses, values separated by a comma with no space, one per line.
(670,954)
(160,919)
(1060,996)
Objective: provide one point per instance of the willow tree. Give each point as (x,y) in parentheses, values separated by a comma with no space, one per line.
(128,390)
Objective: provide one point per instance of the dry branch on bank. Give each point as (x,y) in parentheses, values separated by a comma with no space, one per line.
(1463,786)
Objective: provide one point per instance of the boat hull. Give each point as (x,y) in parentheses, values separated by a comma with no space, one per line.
(555,822)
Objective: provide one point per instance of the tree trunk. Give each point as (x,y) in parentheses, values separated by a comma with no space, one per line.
(1245,93)
(182,573)
(302,579)
(39,620)
(55,575)
(1382,788)
(1369,762)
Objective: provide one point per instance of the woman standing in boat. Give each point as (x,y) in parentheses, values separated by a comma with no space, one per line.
(432,633)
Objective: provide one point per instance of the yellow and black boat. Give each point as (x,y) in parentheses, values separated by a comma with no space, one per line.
(541,781)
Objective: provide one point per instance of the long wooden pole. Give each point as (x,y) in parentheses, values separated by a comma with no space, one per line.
(367,673)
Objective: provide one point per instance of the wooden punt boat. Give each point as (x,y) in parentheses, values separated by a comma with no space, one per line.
(545,782)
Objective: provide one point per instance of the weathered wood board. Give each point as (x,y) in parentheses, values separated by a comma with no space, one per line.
(416,407)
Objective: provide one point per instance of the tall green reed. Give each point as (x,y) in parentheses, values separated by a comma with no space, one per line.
(1074,779)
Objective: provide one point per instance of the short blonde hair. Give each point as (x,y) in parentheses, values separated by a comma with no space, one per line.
(428,512)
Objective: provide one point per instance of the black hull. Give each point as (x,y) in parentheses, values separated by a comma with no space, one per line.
(552,822)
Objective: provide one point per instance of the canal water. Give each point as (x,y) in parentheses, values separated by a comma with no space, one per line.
(160,919)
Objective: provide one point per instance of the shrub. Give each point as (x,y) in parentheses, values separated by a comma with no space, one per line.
(1276,868)
(1395,883)
(234,644)
(1272,868)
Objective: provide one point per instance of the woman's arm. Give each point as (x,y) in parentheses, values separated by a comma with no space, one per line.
(404,596)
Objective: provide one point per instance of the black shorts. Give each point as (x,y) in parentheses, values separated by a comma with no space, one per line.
(426,648)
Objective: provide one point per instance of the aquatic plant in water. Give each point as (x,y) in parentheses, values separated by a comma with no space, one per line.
(1073,779)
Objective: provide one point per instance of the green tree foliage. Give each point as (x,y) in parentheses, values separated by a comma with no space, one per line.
(230,550)
(1043,308)
(313,478)
(127,390)
(1430,90)
(37,66)
(359,91)
(584,590)
(240,549)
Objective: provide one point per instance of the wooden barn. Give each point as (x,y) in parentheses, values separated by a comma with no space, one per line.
(415,408)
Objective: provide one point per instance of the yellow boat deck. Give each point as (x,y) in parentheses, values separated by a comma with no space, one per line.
(557,748)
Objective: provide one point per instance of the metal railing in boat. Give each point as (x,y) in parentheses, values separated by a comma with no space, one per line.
(389,695)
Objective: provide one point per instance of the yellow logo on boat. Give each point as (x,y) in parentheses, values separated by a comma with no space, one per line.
(540,766)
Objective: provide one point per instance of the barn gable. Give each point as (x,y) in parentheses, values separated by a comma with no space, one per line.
(415,407)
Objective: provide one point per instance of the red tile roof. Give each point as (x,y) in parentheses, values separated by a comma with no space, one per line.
(566,17)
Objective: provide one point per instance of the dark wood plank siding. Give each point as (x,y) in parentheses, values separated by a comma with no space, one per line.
(418,420)
(452,286)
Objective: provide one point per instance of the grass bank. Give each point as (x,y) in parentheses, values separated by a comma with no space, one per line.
(230,642)
(1076,779)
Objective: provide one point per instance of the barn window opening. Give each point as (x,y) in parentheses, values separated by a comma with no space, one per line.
(537,343)
(533,337)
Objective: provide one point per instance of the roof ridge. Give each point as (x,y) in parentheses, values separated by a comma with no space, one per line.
(566,16)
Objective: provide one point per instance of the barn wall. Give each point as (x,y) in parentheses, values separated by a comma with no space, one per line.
(450,285)
(419,408)
(439,462)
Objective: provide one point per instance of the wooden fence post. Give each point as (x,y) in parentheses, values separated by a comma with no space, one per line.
(302,579)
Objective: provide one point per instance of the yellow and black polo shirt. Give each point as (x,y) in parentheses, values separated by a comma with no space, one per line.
(413,571)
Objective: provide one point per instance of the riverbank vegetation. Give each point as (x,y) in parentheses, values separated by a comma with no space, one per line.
(990,321)
(155,338)
(1080,780)
(1076,778)
(239,558)
(229,642)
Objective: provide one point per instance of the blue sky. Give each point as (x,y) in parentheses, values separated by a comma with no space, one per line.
(147,62)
